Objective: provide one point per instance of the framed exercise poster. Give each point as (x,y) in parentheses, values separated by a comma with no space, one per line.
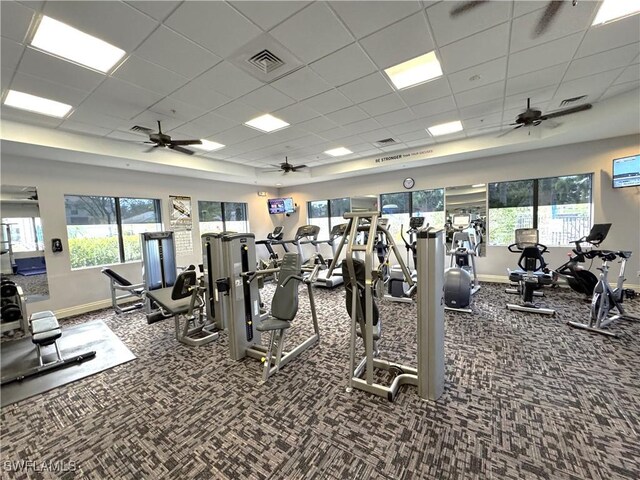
(181,223)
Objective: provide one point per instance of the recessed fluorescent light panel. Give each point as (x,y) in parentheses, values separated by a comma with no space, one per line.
(445,128)
(267,123)
(612,10)
(338,152)
(32,103)
(69,43)
(477,185)
(415,71)
(209,146)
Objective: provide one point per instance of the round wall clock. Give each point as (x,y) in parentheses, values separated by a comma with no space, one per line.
(408,183)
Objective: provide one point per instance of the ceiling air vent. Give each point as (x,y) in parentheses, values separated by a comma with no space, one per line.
(569,101)
(386,141)
(266,61)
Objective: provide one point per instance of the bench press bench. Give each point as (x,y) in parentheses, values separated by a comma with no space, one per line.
(45,331)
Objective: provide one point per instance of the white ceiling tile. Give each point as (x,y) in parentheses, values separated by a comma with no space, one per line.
(296,113)
(33,4)
(214,123)
(361,126)
(60,71)
(630,74)
(601,62)
(393,148)
(176,53)
(481,109)
(537,79)
(364,18)
(327,102)
(447,29)
(15,20)
(569,19)
(214,25)
(413,136)
(13,114)
(228,80)
(420,143)
(118,98)
(44,88)
(268,14)
(476,49)
(542,56)
(344,66)
(301,84)
(316,125)
(83,128)
(115,22)
(539,99)
(156,9)
(337,133)
(149,75)
(406,127)
(424,92)
(366,88)
(375,135)
(434,107)
(267,99)
(624,88)
(484,121)
(6,75)
(128,137)
(312,33)
(193,130)
(236,135)
(593,86)
(11,53)
(308,140)
(395,118)
(198,92)
(522,7)
(481,94)
(174,108)
(399,42)
(87,115)
(150,120)
(488,72)
(238,111)
(347,115)
(610,35)
(385,104)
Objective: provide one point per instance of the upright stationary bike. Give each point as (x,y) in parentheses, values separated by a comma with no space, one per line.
(605,300)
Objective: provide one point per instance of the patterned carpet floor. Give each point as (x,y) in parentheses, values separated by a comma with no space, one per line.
(526,397)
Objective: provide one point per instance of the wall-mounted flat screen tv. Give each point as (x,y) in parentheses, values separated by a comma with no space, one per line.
(626,172)
(281,205)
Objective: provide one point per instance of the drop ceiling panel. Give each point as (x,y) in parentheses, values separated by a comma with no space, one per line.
(630,74)
(268,14)
(345,65)
(432,90)
(149,75)
(385,104)
(267,99)
(434,107)
(522,7)
(601,62)
(476,49)
(301,84)
(481,94)
(118,98)
(468,23)
(15,20)
(176,53)
(413,136)
(611,35)
(623,88)
(312,33)
(174,108)
(406,127)
(236,135)
(5,78)
(214,123)
(534,80)
(399,42)
(8,113)
(44,88)
(364,18)
(73,126)
(482,109)
(394,118)
(296,113)
(316,125)
(488,72)
(195,21)
(518,102)
(150,120)
(228,80)
(347,115)
(366,88)
(115,22)
(199,93)
(484,121)
(10,54)
(238,111)
(542,56)
(156,9)
(88,115)
(327,102)
(361,126)
(593,86)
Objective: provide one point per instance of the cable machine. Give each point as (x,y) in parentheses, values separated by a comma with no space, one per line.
(158,268)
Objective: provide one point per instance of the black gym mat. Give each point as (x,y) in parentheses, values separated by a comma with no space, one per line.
(20,355)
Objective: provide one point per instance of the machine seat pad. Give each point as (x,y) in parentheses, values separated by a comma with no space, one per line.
(43,314)
(272,323)
(162,297)
(46,338)
(44,327)
(543,278)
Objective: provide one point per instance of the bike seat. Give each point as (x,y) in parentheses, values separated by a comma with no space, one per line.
(624,254)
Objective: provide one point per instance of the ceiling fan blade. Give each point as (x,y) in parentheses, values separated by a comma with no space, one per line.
(138,128)
(298,167)
(553,7)
(186,142)
(151,149)
(178,148)
(271,170)
(568,111)
(506,133)
(465,7)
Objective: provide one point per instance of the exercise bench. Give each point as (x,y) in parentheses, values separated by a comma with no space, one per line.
(118,283)
(45,331)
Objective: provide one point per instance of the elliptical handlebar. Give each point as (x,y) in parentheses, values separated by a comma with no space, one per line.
(607,255)
(516,248)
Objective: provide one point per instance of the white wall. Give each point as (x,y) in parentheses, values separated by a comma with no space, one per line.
(88,288)
(621,207)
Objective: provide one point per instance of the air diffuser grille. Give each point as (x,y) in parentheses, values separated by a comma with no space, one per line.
(266,61)
(386,141)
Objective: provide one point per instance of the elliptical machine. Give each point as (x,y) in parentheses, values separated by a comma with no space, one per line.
(460,279)
(398,289)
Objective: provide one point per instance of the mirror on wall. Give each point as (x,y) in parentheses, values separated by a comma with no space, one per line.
(469,204)
(22,259)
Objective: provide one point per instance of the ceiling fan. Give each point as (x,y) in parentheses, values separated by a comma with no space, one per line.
(552,9)
(534,117)
(286,167)
(159,139)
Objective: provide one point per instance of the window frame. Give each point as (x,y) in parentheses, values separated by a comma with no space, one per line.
(223,214)
(329,215)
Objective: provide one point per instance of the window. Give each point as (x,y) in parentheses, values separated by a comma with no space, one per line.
(430,205)
(327,213)
(223,216)
(400,207)
(106,230)
(26,234)
(559,207)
